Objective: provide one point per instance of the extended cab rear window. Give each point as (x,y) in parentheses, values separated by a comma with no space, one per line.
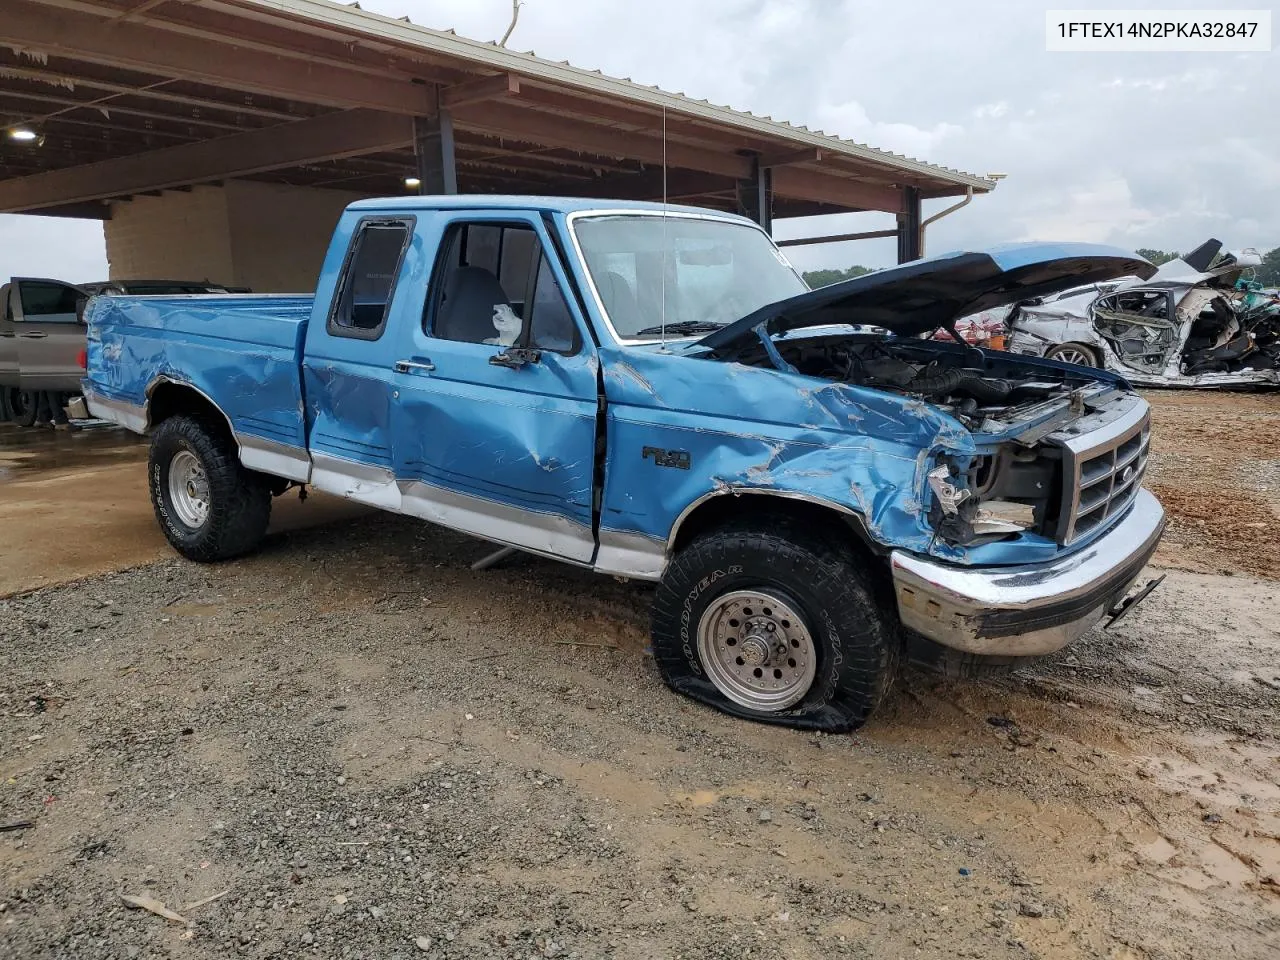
(369,278)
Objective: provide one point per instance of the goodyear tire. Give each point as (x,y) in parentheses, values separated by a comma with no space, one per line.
(208,505)
(772,622)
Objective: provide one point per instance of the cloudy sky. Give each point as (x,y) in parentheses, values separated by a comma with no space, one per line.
(1138,149)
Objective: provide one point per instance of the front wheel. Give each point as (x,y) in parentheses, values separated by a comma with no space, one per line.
(1073,353)
(208,505)
(771,622)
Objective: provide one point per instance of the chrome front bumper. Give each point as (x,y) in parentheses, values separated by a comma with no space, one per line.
(1027,610)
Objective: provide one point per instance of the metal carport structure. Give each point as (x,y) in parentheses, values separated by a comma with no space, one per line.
(128,98)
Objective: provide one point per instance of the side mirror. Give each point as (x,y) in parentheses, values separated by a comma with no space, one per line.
(516,357)
(81,303)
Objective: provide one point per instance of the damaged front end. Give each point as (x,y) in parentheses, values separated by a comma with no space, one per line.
(1022,485)
(1030,476)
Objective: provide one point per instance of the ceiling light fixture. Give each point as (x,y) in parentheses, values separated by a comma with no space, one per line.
(413,183)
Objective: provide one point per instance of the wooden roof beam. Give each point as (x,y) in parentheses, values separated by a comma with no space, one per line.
(66,105)
(329,137)
(140,46)
(792,157)
(477,91)
(507,119)
(819,187)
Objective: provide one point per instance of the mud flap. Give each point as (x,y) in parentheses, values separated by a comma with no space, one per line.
(1126,604)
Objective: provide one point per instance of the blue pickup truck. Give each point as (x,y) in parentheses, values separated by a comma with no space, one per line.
(653,392)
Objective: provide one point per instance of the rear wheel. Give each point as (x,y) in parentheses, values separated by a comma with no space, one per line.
(22,406)
(1073,353)
(208,505)
(772,622)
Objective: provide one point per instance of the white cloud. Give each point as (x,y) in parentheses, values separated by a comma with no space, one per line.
(52,247)
(1098,210)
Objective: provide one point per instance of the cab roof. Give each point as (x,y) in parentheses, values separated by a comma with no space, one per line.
(563,205)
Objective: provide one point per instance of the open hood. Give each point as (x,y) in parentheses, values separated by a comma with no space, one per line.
(921,296)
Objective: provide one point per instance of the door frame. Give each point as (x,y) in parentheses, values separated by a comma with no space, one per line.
(546,532)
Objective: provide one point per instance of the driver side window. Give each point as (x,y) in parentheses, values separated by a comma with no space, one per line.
(493,284)
(47,301)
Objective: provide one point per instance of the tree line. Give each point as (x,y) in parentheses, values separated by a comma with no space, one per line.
(1268,274)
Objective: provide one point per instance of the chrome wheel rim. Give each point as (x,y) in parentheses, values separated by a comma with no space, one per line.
(757,649)
(1073,355)
(188,489)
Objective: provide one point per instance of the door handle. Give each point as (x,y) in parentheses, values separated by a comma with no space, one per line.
(33,336)
(404,366)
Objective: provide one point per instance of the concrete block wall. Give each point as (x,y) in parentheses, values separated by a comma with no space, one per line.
(176,236)
(279,233)
(269,237)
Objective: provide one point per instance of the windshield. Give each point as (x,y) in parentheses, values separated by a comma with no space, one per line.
(708,273)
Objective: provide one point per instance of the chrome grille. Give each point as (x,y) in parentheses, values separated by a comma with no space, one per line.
(1103,471)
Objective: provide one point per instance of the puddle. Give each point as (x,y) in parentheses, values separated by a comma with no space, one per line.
(1227,787)
(27,452)
(1224,857)
(1223,773)
(1151,846)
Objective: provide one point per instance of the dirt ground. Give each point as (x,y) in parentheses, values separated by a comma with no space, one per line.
(75,504)
(1216,468)
(377,752)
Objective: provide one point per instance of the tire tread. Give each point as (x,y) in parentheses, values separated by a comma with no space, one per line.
(830,568)
(240,506)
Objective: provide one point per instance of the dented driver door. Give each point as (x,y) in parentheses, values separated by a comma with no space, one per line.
(494,417)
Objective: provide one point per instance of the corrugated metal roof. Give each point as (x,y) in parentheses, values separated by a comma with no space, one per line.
(354,21)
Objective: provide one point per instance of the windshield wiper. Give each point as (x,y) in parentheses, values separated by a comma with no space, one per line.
(679,327)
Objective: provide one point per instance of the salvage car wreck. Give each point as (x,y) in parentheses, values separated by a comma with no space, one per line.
(1187,326)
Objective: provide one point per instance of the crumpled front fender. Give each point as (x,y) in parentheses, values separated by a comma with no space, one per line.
(682,430)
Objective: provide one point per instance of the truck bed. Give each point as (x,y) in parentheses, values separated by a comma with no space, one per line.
(244,350)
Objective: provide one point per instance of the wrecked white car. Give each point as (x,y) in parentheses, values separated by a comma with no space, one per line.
(1185,327)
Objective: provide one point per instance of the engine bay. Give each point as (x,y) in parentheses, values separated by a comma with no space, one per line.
(971,386)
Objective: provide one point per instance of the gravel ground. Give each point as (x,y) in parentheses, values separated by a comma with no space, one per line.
(1215,466)
(371,751)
